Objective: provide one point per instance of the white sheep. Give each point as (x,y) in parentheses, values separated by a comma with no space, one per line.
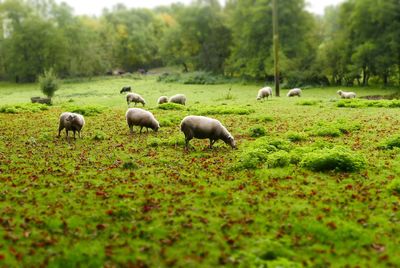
(294,92)
(202,127)
(265,92)
(162,99)
(178,98)
(141,118)
(71,121)
(346,95)
(136,98)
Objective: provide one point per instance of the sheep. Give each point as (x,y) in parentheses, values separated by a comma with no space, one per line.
(202,127)
(294,92)
(265,92)
(125,89)
(346,95)
(162,99)
(142,118)
(71,121)
(136,98)
(178,98)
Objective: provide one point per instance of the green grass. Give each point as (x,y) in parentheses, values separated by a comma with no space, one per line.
(285,198)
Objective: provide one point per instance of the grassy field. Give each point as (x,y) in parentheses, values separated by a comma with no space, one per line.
(312,183)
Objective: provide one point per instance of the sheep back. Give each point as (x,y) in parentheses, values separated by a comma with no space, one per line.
(202,127)
(162,99)
(136,98)
(265,92)
(179,99)
(142,118)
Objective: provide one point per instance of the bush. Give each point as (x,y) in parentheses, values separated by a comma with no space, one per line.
(168,78)
(259,152)
(100,135)
(326,131)
(224,110)
(23,108)
(49,83)
(257,131)
(335,159)
(263,119)
(171,106)
(296,136)
(390,143)
(278,159)
(394,186)
(88,110)
(307,103)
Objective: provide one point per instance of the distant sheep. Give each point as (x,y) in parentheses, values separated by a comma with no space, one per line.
(141,118)
(265,92)
(162,99)
(71,121)
(125,89)
(179,99)
(346,95)
(136,98)
(294,92)
(202,127)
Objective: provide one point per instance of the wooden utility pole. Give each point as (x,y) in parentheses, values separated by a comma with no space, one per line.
(276,45)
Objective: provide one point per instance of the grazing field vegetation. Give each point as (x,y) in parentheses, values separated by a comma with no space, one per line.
(315,184)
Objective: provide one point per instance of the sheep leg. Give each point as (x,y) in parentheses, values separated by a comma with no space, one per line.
(211,143)
(141,130)
(74,134)
(59,131)
(79,132)
(187,143)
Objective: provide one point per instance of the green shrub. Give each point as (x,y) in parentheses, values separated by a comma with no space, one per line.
(259,151)
(87,110)
(100,135)
(153,142)
(326,131)
(278,159)
(169,78)
(257,131)
(296,136)
(390,143)
(169,121)
(335,159)
(130,164)
(263,119)
(49,83)
(224,110)
(308,102)
(394,186)
(23,108)
(171,106)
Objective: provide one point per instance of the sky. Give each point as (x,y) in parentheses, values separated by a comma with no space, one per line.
(89,8)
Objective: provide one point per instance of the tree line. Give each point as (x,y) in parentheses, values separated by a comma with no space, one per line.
(356,42)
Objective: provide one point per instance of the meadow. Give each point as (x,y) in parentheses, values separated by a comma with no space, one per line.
(314,181)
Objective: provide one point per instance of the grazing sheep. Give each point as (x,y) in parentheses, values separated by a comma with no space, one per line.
(141,118)
(346,95)
(136,98)
(178,98)
(202,127)
(162,99)
(265,92)
(125,89)
(294,92)
(71,121)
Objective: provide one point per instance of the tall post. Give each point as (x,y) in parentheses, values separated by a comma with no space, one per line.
(276,45)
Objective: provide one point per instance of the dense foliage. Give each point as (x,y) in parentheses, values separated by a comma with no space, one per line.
(356,42)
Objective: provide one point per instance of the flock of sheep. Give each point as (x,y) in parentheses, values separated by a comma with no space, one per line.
(192,126)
